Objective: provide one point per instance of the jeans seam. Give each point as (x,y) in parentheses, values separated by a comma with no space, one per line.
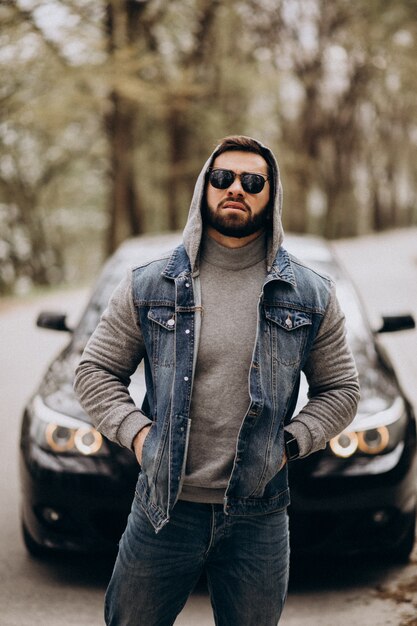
(211,540)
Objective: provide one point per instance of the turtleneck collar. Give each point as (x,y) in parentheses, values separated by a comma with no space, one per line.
(233,258)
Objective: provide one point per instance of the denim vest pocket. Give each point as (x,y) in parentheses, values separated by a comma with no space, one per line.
(289,329)
(164,316)
(154,448)
(162,328)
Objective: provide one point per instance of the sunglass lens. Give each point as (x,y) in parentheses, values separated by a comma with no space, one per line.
(253,183)
(221,179)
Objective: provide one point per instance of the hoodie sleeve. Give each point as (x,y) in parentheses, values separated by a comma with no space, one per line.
(102,377)
(333,385)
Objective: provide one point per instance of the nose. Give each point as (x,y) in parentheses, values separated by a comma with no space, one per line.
(236,188)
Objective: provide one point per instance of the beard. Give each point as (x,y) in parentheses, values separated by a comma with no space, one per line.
(239,224)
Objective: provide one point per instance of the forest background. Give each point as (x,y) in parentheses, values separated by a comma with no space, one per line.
(109,109)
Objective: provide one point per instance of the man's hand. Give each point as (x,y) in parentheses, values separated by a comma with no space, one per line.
(139,441)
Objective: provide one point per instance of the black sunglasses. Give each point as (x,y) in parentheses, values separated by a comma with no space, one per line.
(222,179)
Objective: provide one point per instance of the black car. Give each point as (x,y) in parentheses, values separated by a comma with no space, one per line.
(357,495)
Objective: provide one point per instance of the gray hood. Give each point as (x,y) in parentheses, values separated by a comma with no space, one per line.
(194,226)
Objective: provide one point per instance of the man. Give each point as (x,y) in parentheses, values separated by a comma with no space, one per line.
(224,324)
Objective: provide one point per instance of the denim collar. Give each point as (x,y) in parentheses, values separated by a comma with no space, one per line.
(281,269)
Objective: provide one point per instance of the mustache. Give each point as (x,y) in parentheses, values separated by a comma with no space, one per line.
(232,199)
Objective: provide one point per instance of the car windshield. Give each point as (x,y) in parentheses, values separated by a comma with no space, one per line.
(319,258)
(110,277)
(115,268)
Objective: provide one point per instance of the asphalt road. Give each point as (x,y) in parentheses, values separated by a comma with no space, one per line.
(69,592)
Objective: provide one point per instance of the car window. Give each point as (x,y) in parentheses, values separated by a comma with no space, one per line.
(110,277)
(359,334)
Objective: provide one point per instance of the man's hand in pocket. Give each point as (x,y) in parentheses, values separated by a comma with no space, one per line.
(139,441)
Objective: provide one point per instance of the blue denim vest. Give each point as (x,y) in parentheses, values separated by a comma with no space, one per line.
(290,309)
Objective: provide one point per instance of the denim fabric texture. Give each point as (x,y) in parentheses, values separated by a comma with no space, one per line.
(155,316)
(290,310)
(245,559)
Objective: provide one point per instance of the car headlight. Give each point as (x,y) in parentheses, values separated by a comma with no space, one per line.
(372,434)
(59,433)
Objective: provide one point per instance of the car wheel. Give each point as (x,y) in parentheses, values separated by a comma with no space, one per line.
(32,546)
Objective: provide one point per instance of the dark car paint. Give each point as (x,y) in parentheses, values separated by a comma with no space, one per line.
(331,512)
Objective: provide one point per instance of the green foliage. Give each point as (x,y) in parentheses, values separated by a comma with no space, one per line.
(109,109)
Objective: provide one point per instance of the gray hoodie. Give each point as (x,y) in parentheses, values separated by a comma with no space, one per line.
(194,227)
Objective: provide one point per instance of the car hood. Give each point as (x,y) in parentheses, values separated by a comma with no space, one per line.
(378,390)
(57,390)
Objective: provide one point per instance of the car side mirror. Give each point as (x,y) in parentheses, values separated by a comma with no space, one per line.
(53,321)
(393,323)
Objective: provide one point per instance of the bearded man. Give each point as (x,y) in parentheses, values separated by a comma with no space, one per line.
(225,324)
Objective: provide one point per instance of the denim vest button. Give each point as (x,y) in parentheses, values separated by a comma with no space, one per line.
(187,332)
(170,322)
(187,284)
(186,378)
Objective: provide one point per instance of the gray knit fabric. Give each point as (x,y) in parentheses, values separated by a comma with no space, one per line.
(231,282)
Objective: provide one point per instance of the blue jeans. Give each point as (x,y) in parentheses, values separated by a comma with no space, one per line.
(246,559)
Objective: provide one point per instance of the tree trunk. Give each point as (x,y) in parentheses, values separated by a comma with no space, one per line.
(177,131)
(126,215)
(125,210)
